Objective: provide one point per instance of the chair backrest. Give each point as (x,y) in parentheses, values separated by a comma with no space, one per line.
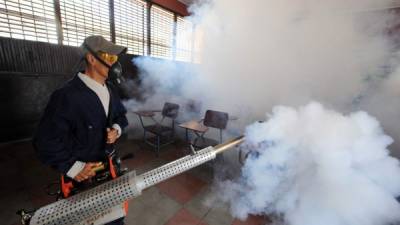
(170,110)
(216,119)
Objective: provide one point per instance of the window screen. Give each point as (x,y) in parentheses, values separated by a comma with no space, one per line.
(130,25)
(184,39)
(28,19)
(162,27)
(82,18)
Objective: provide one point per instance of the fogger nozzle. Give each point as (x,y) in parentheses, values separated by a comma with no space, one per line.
(228,145)
(85,207)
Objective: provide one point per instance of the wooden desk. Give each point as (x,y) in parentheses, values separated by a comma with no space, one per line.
(194,126)
(145,113)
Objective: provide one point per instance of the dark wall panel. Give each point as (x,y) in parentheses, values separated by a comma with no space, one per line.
(30,72)
(36,57)
(23,99)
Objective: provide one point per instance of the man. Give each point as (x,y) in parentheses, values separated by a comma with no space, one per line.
(84,117)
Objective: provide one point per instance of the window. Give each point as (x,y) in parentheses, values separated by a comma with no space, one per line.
(170,37)
(28,19)
(130,25)
(197,45)
(184,39)
(82,18)
(162,27)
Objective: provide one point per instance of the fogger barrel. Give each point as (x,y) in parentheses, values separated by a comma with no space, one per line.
(84,207)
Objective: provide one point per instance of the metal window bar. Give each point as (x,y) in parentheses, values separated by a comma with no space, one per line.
(174,38)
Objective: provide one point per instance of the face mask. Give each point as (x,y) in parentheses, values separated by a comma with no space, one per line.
(115,72)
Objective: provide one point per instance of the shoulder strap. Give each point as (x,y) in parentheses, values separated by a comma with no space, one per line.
(109,148)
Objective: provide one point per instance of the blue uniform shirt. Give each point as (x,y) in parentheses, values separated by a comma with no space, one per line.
(73,126)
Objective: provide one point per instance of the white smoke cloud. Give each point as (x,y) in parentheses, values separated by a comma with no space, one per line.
(256,54)
(315,166)
(275,52)
(165,81)
(380,99)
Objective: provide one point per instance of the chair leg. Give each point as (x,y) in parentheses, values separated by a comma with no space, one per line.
(158,146)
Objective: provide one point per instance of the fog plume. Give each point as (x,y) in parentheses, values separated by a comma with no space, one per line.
(257,54)
(315,166)
(310,165)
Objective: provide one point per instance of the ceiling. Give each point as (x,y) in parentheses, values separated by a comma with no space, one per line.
(187,2)
(377,4)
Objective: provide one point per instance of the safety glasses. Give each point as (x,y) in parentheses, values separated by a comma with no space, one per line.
(108,57)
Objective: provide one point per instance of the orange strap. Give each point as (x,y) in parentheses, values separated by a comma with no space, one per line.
(112,168)
(114,175)
(126,207)
(66,187)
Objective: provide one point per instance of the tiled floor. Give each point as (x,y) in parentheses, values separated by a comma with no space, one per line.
(182,200)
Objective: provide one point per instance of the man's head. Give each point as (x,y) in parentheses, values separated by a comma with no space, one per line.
(100,55)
